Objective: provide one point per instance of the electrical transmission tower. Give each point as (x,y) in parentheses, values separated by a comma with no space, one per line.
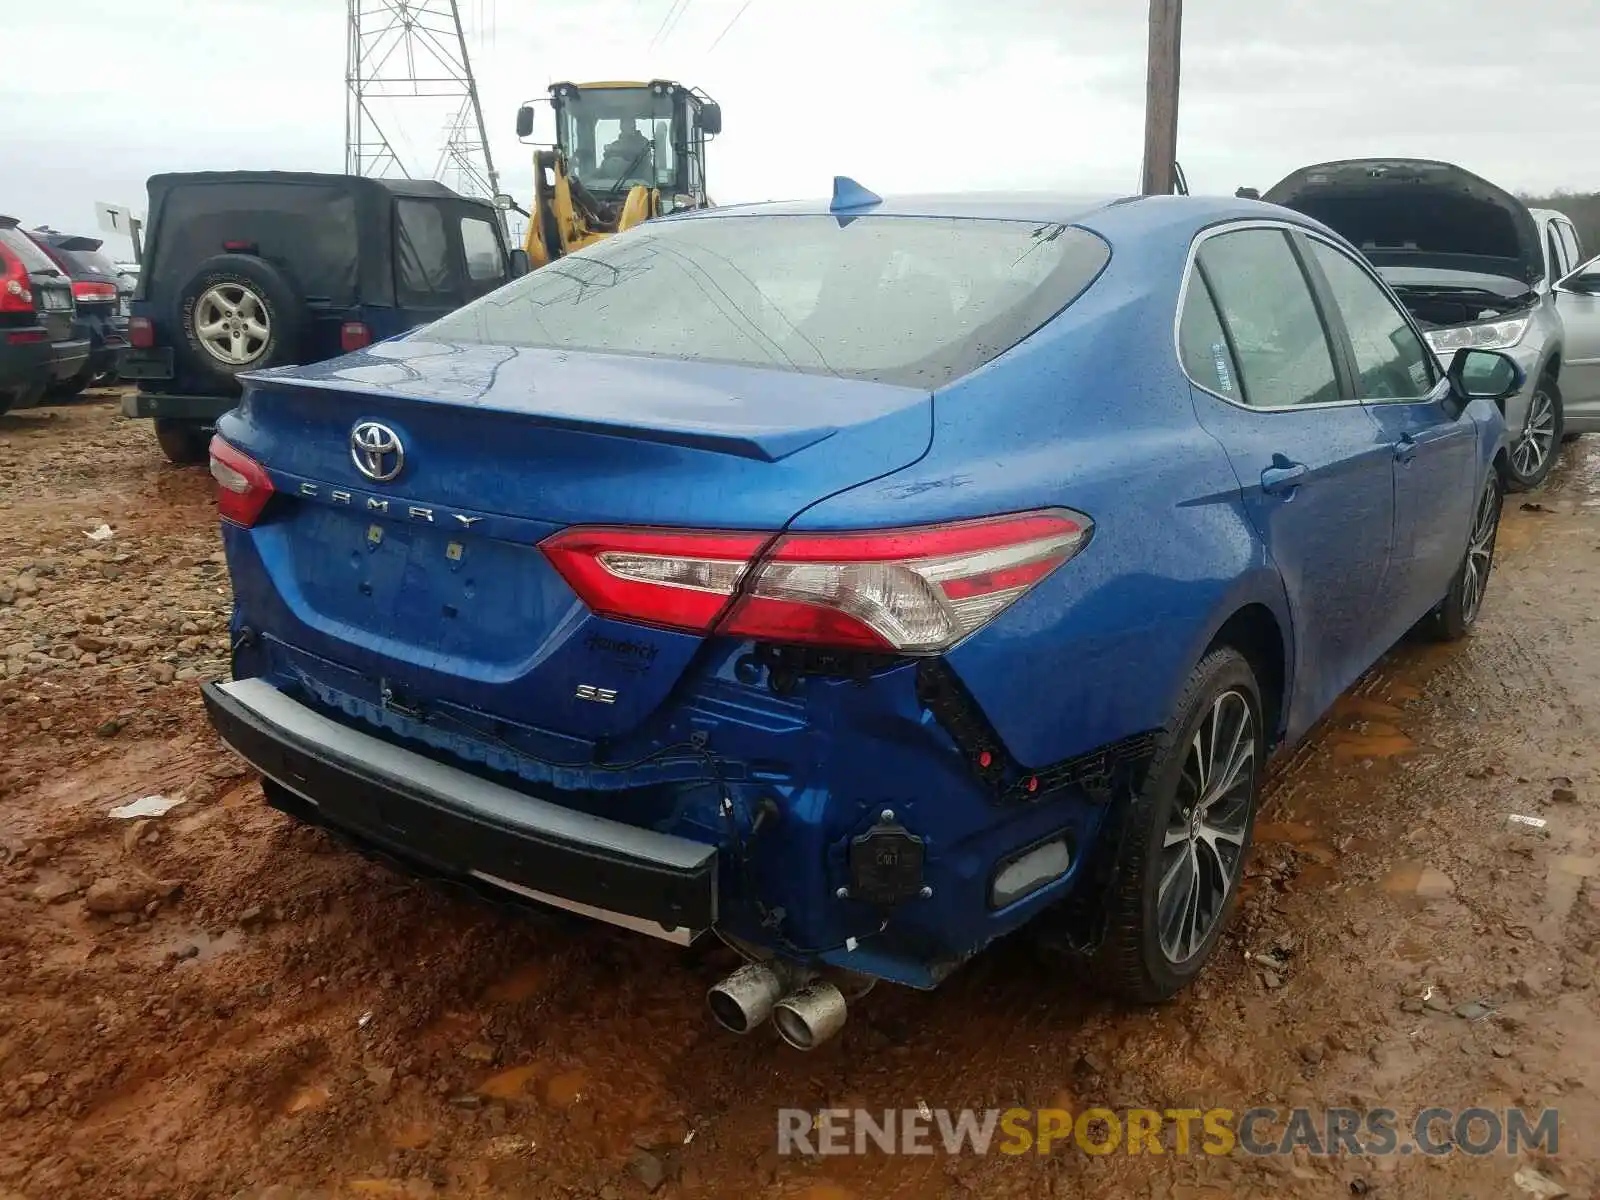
(404,50)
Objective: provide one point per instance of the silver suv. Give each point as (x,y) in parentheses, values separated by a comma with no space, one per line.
(1479,270)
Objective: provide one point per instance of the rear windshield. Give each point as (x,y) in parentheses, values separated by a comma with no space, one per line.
(308,228)
(909,300)
(33,258)
(90,264)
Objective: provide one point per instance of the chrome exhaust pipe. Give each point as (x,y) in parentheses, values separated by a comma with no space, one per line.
(744,1000)
(811,1015)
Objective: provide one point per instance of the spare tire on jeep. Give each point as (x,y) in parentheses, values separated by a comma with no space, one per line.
(240,313)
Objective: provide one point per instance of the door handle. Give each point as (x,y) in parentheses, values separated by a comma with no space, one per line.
(1282,476)
(1405,449)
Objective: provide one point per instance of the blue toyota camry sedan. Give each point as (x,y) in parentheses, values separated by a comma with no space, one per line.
(854,581)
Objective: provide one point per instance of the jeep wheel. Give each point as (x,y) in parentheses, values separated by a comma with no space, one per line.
(1534,452)
(240,313)
(183,442)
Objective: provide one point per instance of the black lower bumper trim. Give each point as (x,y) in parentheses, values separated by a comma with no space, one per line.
(459,825)
(176,407)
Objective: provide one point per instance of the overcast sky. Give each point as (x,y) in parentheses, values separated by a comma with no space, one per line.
(902,94)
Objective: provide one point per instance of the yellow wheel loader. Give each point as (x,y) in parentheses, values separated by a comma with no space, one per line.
(623,153)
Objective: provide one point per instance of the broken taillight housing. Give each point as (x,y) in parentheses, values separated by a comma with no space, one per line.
(141,332)
(243,487)
(906,591)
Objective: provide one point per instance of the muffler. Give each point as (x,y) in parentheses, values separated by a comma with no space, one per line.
(743,1001)
(810,1015)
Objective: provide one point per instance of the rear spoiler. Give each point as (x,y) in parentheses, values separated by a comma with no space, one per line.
(78,244)
(8,222)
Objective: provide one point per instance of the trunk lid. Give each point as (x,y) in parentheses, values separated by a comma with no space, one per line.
(430,582)
(1418,213)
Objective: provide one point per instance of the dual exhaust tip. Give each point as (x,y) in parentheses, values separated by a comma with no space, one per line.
(805,1016)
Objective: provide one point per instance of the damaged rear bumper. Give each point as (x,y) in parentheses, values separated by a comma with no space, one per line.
(461,825)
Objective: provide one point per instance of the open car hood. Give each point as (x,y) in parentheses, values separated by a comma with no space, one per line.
(1416,212)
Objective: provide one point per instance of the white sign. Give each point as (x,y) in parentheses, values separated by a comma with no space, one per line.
(113,218)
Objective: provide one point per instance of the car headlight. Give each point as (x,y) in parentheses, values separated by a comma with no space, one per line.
(1492,335)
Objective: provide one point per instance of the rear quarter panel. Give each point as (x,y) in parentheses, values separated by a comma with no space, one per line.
(1092,413)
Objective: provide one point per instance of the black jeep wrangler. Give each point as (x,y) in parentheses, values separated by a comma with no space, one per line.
(245,270)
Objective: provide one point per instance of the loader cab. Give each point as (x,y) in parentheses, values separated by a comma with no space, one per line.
(614,137)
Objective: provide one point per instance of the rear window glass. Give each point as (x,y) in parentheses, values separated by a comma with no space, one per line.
(910,300)
(89,262)
(310,229)
(32,257)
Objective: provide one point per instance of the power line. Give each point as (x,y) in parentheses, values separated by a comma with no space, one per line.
(676,10)
(729,25)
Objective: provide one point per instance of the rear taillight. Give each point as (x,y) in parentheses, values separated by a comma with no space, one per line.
(243,487)
(353,335)
(905,591)
(16,290)
(141,332)
(84,290)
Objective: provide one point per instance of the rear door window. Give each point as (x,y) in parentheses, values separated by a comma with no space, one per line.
(486,258)
(1558,256)
(1391,361)
(424,263)
(1285,358)
(912,300)
(1570,243)
(1203,344)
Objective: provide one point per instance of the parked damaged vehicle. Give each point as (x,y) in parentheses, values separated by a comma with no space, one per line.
(245,270)
(854,581)
(1477,268)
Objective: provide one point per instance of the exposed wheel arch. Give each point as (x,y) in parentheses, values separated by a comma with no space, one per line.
(1254,631)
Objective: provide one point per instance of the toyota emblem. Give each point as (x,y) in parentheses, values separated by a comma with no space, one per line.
(376,451)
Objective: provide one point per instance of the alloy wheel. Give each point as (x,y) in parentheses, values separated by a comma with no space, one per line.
(1538,436)
(1480,555)
(232,324)
(1202,848)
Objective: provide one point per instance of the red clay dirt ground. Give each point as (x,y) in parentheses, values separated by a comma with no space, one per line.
(255,1012)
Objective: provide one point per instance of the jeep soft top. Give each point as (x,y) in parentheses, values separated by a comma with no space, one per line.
(245,270)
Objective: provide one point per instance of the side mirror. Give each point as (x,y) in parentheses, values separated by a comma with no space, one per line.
(1248,193)
(1587,282)
(711,118)
(525,121)
(1484,375)
(504,201)
(520,265)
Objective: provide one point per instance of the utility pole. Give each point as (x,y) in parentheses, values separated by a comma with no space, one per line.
(1161,97)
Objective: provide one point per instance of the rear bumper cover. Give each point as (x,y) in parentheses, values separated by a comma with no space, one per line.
(461,825)
(205,409)
(69,358)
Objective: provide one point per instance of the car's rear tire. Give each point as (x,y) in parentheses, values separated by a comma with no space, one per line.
(1182,840)
(1456,614)
(239,313)
(1533,455)
(183,442)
